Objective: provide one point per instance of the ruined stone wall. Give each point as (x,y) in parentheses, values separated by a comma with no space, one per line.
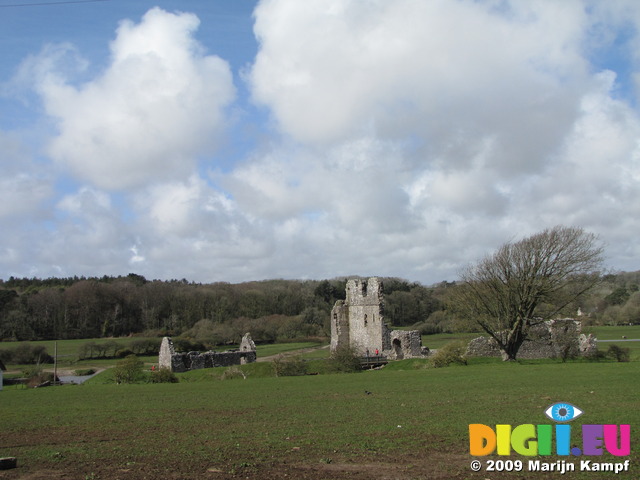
(405,344)
(587,344)
(167,350)
(183,362)
(550,339)
(339,325)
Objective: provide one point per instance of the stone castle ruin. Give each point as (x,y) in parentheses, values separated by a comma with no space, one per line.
(358,322)
(182,362)
(561,338)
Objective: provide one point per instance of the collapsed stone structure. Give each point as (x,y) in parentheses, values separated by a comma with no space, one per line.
(358,322)
(550,339)
(182,362)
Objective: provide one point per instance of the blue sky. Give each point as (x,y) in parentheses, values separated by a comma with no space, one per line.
(240,140)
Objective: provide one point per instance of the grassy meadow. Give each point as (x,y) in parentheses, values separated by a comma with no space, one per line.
(405,421)
(68,353)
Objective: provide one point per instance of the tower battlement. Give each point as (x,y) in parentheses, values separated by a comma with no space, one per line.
(364,292)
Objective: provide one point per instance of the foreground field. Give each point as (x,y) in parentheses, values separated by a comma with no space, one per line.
(387,424)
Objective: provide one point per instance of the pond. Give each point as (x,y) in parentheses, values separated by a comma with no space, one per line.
(77,379)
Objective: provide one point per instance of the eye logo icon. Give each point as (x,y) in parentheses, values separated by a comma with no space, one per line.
(563,412)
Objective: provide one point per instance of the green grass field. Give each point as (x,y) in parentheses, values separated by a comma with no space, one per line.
(402,422)
(614,333)
(277,348)
(69,348)
(412,425)
(68,352)
(440,339)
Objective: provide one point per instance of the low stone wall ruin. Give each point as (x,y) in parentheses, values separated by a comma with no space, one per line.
(550,339)
(405,344)
(183,362)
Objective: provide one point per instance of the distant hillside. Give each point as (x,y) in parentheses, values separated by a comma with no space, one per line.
(32,308)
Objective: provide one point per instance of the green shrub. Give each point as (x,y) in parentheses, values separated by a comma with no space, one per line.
(428,328)
(618,354)
(86,350)
(233,372)
(32,371)
(597,356)
(145,346)
(128,370)
(124,352)
(344,359)
(6,355)
(163,375)
(451,353)
(186,345)
(108,349)
(26,354)
(289,366)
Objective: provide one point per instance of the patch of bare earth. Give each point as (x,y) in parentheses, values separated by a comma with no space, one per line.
(436,466)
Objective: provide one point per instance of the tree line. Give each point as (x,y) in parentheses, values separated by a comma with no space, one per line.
(272,310)
(78,307)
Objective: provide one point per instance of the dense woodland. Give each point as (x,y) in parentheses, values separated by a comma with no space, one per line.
(219,313)
(58,308)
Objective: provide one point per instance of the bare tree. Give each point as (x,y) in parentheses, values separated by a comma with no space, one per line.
(528,281)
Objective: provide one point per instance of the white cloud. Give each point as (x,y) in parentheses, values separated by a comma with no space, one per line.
(358,183)
(409,138)
(473,115)
(595,179)
(24,185)
(159,104)
(181,208)
(90,233)
(189,229)
(84,234)
(445,71)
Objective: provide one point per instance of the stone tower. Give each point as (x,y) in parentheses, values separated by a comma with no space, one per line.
(358,321)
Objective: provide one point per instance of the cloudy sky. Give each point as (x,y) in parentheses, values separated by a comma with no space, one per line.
(238,140)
